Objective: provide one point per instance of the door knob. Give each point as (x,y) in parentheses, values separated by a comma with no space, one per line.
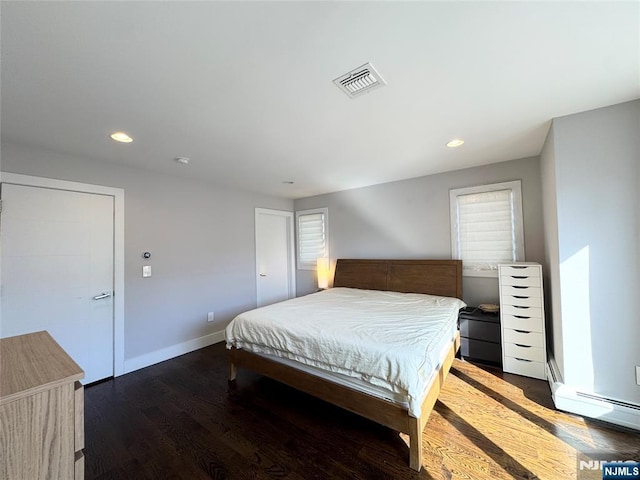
(263,274)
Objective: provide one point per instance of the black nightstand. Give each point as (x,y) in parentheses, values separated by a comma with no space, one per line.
(480,336)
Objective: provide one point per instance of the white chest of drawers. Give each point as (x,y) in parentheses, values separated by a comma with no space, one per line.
(524,346)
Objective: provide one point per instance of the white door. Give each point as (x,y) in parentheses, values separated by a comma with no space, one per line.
(274,256)
(57,271)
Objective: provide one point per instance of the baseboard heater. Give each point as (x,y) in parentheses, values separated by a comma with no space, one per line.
(609,400)
(566,398)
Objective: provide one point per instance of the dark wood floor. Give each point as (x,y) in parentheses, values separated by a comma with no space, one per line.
(181,420)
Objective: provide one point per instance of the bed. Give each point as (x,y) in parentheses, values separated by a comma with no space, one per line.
(405,402)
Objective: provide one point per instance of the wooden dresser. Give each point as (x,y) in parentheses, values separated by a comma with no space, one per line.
(41,410)
(524,346)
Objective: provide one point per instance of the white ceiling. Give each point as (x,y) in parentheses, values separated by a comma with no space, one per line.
(245,88)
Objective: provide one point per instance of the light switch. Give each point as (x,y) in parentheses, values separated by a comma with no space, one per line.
(146,271)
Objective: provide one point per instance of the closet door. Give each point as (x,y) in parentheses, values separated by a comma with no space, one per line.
(275,272)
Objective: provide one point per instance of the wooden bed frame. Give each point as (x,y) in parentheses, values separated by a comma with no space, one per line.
(436,277)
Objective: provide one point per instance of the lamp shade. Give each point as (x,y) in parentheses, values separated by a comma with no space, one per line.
(322,270)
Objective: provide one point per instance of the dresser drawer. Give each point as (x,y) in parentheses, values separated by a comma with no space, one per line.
(487,331)
(523,337)
(528,324)
(521,291)
(522,301)
(520,280)
(480,350)
(524,367)
(520,270)
(522,311)
(525,352)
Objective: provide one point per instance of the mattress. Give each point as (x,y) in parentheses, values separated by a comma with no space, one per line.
(384,343)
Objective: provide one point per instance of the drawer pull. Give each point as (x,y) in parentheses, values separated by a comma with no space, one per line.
(520,296)
(522,346)
(518,277)
(521,287)
(522,316)
(521,331)
(523,360)
(519,306)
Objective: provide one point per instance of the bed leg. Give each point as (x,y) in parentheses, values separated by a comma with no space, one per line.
(415,444)
(232,372)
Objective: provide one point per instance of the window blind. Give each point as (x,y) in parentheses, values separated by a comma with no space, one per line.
(312,239)
(486,235)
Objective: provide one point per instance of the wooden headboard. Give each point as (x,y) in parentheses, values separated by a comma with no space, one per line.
(435,277)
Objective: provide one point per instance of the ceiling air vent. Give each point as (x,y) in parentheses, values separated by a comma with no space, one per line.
(360,80)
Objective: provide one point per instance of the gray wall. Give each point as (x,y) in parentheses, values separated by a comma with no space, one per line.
(410,219)
(597,171)
(201,239)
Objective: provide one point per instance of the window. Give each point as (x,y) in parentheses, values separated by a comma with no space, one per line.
(486,227)
(313,237)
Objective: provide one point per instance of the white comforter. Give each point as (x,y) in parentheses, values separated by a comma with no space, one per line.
(385,338)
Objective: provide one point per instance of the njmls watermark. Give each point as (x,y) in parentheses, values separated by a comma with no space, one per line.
(601,465)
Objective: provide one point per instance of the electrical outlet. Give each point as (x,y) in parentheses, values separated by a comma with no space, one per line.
(638,374)
(210,317)
(146,271)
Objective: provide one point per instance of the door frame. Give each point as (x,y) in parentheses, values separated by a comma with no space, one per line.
(290,246)
(118,247)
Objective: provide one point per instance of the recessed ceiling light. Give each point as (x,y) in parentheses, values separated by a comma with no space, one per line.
(121,137)
(456,142)
(183,160)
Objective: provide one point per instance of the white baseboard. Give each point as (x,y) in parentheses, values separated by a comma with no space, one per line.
(157,356)
(590,405)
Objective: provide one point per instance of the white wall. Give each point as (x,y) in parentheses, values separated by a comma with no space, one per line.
(410,219)
(201,239)
(552,262)
(596,160)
